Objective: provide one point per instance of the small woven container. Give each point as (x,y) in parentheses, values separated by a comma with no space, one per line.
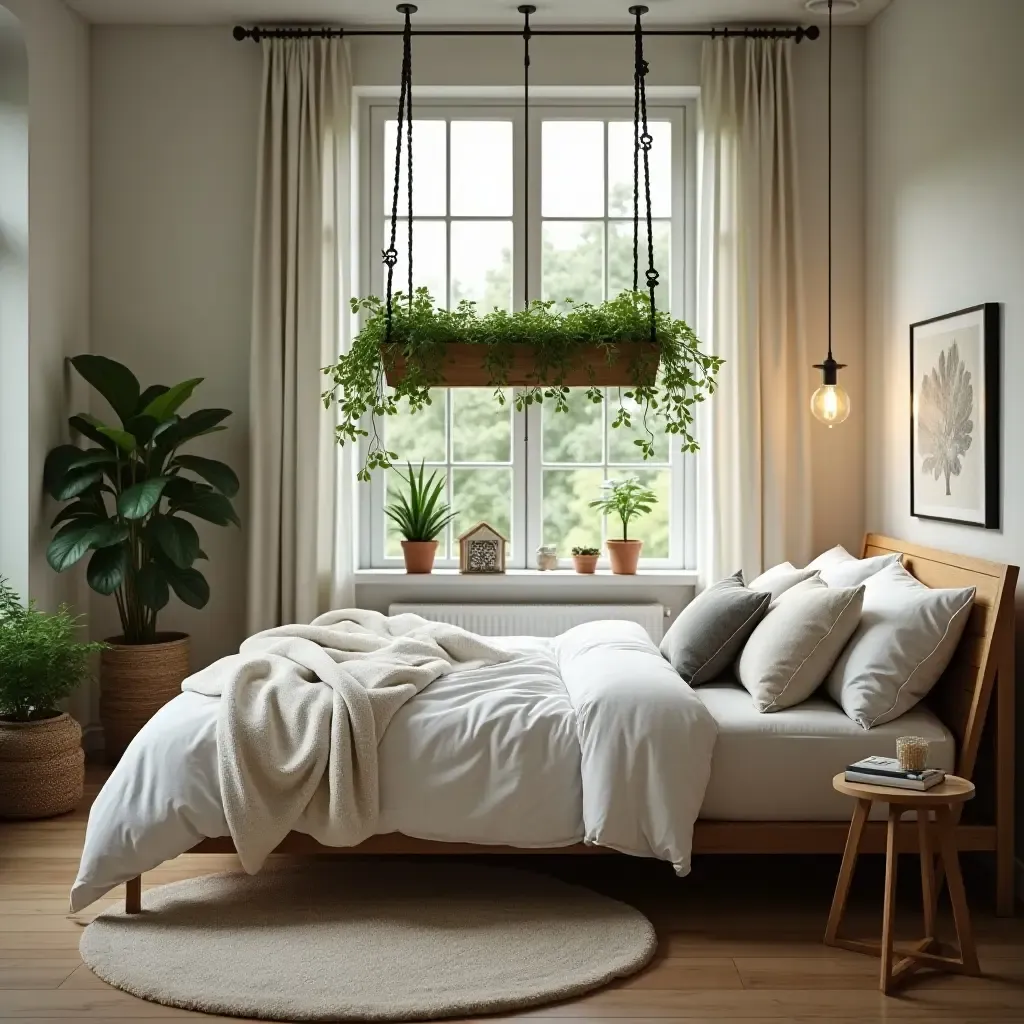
(136,681)
(42,767)
(912,753)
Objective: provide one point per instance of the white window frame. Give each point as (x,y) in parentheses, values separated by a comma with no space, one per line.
(373,212)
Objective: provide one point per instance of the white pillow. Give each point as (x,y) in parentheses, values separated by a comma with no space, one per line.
(779,578)
(906,637)
(839,568)
(790,652)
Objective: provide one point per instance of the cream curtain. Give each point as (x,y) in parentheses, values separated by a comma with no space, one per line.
(754,467)
(301,488)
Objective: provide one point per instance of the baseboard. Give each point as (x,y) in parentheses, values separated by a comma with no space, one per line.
(92,738)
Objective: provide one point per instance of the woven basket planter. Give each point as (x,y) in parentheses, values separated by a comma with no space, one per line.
(42,767)
(136,680)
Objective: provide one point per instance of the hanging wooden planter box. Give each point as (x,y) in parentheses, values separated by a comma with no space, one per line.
(464,366)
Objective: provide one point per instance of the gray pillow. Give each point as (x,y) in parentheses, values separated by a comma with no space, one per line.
(708,633)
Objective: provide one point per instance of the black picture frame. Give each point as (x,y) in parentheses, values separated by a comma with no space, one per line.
(988,317)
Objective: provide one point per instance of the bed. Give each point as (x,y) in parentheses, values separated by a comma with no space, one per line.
(786,806)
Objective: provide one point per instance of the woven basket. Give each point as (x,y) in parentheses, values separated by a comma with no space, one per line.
(136,680)
(42,767)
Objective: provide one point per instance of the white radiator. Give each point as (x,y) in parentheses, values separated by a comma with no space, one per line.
(535,619)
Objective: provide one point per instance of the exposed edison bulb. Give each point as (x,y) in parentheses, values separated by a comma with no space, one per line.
(830,404)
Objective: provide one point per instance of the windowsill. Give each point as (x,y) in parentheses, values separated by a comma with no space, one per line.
(511,578)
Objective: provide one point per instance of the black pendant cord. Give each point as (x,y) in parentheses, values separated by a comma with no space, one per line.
(390,254)
(830,181)
(642,144)
(526,10)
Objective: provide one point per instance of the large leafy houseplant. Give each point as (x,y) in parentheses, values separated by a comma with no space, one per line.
(421,332)
(42,659)
(129,495)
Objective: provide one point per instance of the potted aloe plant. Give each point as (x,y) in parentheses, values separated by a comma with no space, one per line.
(41,661)
(584,560)
(628,500)
(420,514)
(130,500)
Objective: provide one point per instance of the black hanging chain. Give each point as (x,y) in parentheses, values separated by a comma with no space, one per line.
(526,10)
(390,254)
(642,141)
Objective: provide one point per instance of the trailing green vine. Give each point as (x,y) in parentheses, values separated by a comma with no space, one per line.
(421,332)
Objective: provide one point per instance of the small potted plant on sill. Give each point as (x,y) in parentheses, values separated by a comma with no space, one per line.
(126,499)
(584,560)
(420,515)
(42,766)
(628,499)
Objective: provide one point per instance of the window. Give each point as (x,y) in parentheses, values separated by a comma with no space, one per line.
(530,475)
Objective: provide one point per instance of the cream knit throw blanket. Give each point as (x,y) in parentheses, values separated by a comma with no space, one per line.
(302,710)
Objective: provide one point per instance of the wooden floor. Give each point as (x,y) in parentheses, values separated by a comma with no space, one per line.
(740,940)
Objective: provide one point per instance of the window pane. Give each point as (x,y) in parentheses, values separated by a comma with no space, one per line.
(572,169)
(568,522)
(418,435)
(482,263)
(620,169)
(620,439)
(482,164)
(573,436)
(481,429)
(428,174)
(620,258)
(429,258)
(394,486)
(573,260)
(651,529)
(482,495)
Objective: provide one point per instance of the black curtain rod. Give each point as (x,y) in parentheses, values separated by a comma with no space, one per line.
(258,32)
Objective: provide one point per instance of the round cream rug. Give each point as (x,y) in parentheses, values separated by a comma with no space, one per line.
(368,940)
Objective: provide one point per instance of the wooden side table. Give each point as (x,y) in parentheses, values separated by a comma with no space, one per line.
(940,800)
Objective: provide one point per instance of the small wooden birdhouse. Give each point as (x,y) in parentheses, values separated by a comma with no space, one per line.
(482,549)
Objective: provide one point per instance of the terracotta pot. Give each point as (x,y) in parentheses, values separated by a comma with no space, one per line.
(136,681)
(42,767)
(419,555)
(624,554)
(585,564)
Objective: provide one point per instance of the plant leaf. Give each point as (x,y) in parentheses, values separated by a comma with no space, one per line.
(76,482)
(107,533)
(78,510)
(168,402)
(214,508)
(56,467)
(151,586)
(140,499)
(202,421)
(141,428)
(121,438)
(190,585)
(217,473)
(69,545)
(93,457)
(116,383)
(176,538)
(148,395)
(88,426)
(107,568)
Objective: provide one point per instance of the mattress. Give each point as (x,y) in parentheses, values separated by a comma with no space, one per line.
(779,766)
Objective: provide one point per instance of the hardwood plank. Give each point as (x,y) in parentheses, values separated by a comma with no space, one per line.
(685,974)
(39,973)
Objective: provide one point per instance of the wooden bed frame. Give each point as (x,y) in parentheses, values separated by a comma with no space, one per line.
(983,663)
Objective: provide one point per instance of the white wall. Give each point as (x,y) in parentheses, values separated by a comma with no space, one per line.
(945,176)
(58,317)
(173,169)
(173,194)
(14,466)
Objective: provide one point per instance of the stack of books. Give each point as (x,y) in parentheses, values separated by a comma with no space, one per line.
(886,771)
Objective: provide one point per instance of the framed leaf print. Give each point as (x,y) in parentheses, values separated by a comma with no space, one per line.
(954,417)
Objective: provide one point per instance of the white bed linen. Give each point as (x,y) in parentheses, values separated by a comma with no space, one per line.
(779,767)
(590,736)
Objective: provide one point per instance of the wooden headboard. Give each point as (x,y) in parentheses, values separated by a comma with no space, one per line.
(962,696)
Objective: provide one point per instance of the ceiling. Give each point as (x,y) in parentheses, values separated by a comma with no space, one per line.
(455,12)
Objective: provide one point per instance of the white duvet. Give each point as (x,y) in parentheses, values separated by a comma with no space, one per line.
(590,736)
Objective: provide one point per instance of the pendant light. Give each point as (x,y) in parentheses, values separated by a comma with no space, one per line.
(830,403)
